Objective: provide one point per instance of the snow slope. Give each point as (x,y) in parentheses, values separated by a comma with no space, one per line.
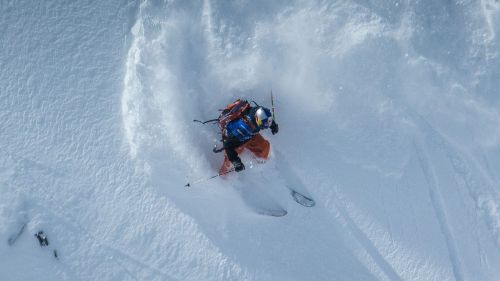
(388,112)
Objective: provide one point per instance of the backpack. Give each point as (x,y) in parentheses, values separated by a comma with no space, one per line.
(232,112)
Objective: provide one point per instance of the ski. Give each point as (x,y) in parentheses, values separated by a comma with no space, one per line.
(294,184)
(302,199)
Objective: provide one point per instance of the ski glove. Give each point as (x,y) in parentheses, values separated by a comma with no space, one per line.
(238,166)
(274,128)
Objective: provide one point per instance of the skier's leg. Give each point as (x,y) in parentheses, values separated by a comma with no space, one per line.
(227,165)
(259,146)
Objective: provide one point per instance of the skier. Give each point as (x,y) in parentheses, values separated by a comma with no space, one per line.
(240,124)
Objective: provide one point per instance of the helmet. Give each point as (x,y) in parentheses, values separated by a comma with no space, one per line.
(263,117)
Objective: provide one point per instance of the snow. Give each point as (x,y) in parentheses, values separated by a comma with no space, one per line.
(389,118)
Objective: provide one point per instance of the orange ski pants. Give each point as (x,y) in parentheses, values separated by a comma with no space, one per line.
(258,145)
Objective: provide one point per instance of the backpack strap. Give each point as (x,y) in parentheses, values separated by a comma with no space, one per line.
(232,112)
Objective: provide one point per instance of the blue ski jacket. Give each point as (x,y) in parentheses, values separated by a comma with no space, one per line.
(241,130)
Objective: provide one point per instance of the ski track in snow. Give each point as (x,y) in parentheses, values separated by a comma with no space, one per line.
(366,243)
(478,186)
(437,203)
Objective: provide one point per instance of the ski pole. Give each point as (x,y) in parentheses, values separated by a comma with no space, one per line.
(205,122)
(207,179)
(272,104)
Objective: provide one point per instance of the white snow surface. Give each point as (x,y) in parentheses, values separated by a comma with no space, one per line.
(389,115)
